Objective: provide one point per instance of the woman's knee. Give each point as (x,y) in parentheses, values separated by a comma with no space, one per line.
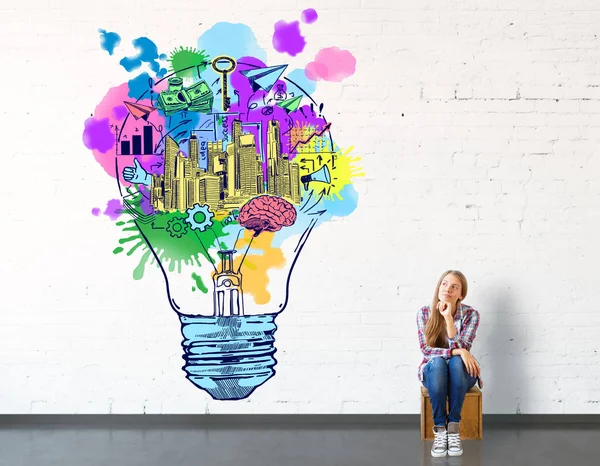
(436,372)
(438,365)
(457,369)
(456,361)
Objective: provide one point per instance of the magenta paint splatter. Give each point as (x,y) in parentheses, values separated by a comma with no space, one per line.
(331,64)
(287,38)
(96,211)
(309,16)
(113,209)
(98,135)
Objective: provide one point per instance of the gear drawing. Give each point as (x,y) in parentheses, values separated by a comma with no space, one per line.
(177,227)
(205,223)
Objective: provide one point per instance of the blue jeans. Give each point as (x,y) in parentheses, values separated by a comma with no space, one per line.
(447,379)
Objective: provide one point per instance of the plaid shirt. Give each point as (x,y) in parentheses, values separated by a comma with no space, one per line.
(466,321)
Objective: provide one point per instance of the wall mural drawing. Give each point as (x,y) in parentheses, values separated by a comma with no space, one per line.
(224,165)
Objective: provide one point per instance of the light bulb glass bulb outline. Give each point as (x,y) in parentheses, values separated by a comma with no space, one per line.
(311,205)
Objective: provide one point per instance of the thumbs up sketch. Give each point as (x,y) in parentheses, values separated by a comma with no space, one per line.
(137,174)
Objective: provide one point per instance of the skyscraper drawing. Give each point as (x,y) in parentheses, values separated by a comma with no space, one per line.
(232,177)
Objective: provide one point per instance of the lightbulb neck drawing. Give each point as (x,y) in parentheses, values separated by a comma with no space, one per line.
(228,294)
(218,183)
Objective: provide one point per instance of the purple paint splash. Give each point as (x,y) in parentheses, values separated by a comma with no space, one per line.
(287,38)
(98,135)
(113,209)
(145,204)
(120,112)
(96,211)
(309,16)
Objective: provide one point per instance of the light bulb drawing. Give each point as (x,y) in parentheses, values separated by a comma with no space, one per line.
(221,197)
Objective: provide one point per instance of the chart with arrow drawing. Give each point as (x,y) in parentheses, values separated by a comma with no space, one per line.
(310,140)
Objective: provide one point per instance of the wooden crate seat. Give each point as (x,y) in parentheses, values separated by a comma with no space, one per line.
(471,427)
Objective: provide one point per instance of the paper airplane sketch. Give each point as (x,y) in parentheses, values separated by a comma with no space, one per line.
(138,110)
(290,105)
(264,78)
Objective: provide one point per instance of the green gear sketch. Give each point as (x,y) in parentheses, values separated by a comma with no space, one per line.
(177,227)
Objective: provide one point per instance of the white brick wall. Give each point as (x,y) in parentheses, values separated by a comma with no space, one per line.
(478,121)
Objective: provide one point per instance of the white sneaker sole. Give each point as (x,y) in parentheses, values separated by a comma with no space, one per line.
(436,454)
(455,453)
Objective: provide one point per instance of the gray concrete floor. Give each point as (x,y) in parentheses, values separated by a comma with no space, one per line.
(507,444)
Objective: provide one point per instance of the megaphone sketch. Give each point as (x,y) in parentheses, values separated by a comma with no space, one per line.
(322,176)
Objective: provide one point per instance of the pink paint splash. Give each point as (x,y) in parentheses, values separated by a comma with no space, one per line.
(287,38)
(331,64)
(309,16)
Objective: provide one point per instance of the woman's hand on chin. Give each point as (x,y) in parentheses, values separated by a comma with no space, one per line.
(446,309)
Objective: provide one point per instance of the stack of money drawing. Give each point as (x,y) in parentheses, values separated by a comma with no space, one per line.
(196,98)
(201,97)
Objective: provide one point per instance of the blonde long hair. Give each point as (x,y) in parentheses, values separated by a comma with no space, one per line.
(435,330)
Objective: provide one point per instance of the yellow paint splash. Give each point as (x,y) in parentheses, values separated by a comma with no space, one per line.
(254,269)
(342,168)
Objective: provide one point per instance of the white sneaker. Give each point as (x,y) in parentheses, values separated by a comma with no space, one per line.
(440,442)
(454,444)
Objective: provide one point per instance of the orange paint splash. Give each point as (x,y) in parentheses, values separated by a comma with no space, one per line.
(254,269)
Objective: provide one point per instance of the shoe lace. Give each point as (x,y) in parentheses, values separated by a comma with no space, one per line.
(440,440)
(454,441)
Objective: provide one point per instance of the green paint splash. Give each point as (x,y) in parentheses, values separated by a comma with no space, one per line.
(199,283)
(185,57)
(173,251)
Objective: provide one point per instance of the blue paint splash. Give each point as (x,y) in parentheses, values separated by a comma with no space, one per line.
(330,207)
(234,40)
(337,208)
(298,76)
(109,40)
(147,53)
(138,85)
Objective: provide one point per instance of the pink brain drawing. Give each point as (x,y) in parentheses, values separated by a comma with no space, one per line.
(267,213)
